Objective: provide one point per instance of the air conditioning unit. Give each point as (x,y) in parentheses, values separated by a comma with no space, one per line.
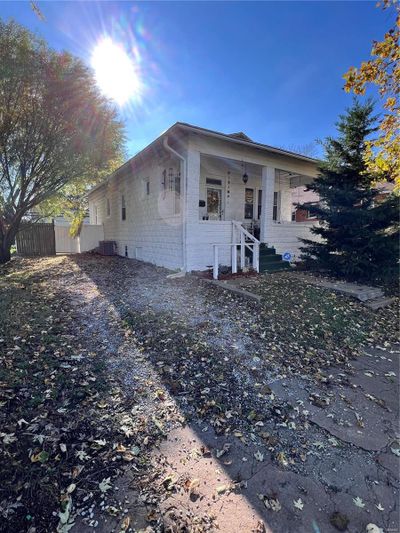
(107,247)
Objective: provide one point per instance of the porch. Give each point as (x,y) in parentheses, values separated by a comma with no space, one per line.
(244,203)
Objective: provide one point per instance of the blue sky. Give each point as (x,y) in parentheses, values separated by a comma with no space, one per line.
(271,69)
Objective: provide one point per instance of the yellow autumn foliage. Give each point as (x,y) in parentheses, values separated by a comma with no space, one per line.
(383,69)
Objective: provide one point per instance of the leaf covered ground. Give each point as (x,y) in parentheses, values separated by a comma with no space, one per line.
(102,357)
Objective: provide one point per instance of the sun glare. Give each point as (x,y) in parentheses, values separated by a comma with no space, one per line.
(115,72)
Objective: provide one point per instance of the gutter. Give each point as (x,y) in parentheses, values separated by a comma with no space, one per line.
(183,167)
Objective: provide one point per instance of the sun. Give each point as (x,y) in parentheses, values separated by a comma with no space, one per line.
(116,74)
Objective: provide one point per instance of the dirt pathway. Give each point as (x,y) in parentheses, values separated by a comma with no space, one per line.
(244,441)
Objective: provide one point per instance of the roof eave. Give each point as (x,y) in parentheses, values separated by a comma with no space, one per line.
(253,144)
(210,133)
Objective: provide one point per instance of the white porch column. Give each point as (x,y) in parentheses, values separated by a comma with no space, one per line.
(285,201)
(267,201)
(193,186)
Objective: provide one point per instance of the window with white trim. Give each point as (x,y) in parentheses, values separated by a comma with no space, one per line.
(123,208)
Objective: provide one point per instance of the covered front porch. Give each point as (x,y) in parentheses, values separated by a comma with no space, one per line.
(261,199)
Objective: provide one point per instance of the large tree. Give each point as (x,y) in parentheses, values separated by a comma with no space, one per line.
(55,126)
(382,153)
(359,230)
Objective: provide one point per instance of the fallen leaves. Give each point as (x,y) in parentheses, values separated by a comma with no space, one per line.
(41,456)
(358,502)
(258,456)
(191,485)
(271,502)
(73,423)
(105,485)
(298,504)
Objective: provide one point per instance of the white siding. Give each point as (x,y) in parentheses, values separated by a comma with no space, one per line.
(285,236)
(151,231)
(233,188)
(200,246)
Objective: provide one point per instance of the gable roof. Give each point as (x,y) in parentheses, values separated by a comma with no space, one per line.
(240,135)
(241,138)
(238,138)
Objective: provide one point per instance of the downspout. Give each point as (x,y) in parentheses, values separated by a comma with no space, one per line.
(183,166)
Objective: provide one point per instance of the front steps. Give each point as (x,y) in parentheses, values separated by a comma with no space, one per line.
(270,261)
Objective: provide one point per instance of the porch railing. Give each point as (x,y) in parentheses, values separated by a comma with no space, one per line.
(243,239)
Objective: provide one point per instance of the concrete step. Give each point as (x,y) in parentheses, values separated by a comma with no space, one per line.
(369,294)
(269,258)
(274,267)
(361,292)
(378,303)
(267,251)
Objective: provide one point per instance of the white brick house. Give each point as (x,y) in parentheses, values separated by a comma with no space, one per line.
(189,196)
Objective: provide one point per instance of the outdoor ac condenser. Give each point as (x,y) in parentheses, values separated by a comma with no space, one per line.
(107,247)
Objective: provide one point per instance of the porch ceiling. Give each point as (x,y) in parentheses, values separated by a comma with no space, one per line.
(214,164)
(295,179)
(223,164)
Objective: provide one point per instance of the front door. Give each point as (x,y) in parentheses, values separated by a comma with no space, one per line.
(214,203)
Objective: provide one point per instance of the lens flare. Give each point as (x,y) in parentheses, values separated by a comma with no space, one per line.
(116,73)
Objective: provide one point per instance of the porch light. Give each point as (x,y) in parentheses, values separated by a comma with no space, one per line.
(245,176)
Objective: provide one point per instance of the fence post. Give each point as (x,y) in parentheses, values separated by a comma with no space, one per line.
(215,266)
(242,252)
(234,258)
(256,262)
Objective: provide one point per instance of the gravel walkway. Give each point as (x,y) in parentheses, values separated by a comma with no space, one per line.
(260,427)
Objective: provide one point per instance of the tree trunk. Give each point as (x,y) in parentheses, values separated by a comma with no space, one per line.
(5,251)
(6,241)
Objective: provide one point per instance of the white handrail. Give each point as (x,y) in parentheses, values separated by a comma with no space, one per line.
(241,238)
(243,230)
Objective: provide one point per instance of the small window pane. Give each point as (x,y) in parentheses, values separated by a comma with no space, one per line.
(123,208)
(212,181)
(177,205)
(259,204)
(249,203)
(275,207)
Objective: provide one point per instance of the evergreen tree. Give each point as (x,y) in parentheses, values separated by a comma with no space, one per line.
(360,233)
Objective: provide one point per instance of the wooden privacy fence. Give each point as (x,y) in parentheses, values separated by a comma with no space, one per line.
(36,239)
(47,239)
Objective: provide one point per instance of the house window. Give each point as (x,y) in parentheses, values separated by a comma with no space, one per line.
(108,207)
(147,186)
(259,204)
(96,215)
(275,206)
(212,181)
(249,203)
(164,181)
(123,208)
(177,200)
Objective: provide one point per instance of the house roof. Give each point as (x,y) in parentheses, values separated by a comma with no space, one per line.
(241,138)
(238,138)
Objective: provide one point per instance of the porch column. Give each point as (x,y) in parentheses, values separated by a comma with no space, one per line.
(193,186)
(267,201)
(285,201)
